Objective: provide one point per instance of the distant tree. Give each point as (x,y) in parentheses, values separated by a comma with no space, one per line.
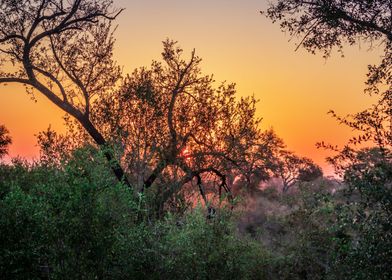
(293,169)
(63,50)
(260,163)
(5,140)
(310,171)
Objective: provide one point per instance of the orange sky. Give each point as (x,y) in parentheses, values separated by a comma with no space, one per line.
(237,44)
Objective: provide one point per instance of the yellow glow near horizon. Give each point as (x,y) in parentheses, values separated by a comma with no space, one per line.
(237,44)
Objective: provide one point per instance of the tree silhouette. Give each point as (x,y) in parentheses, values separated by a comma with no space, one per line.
(5,140)
(293,169)
(174,125)
(63,50)
(324,25)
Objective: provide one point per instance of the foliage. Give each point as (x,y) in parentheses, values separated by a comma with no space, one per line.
(363,231)
(172,126)
(61,221)
(74,220)
(194,248)
(366,248)
(5,141)
(324,25)
(293,169)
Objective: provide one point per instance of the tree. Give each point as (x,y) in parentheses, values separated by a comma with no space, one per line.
(260,162)
(323,25)
(5,140)
(293,169)
(63,50)
(174,127)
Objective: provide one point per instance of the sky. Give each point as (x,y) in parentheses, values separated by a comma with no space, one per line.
(237,44)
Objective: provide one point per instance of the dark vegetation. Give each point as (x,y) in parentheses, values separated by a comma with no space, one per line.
(163,174)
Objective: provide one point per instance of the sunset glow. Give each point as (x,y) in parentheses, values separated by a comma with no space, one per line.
(195,139)
(237,44)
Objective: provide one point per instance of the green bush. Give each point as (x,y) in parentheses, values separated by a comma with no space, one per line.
(208,249)
(61,222)
(365,247)
(21,240)
(75,221)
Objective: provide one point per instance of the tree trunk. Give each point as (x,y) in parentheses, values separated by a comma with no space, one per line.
(101,142)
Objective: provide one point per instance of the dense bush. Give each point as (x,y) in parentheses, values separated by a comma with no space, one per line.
(73,220)
(324,231)
(365,248)
(76,222)
(306,245)
(61,222)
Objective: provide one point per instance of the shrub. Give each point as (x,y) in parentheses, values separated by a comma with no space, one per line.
(74,221)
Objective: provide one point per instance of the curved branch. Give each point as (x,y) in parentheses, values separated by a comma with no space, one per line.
(55,80)
(15,80)
(10,37)
(368,24)
(67,23)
